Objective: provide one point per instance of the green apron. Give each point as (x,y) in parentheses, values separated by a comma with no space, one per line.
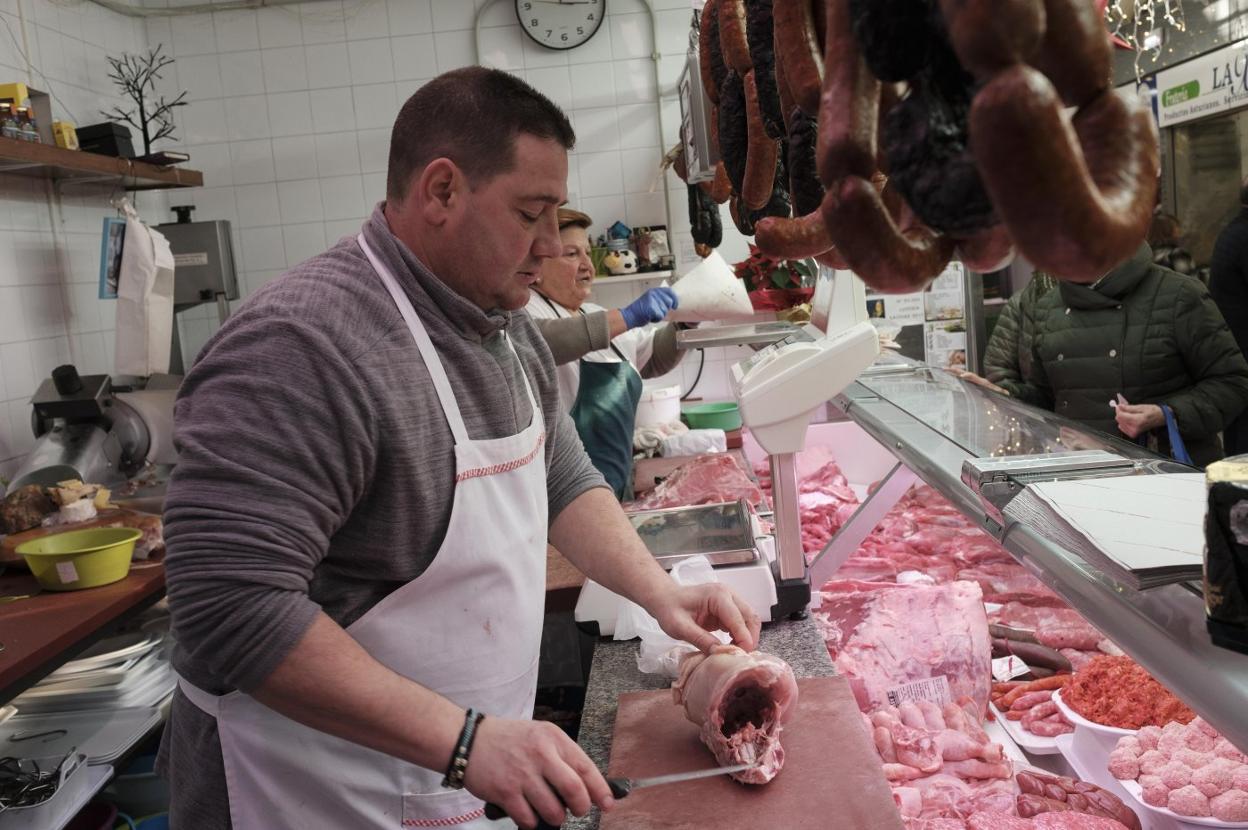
(605,413)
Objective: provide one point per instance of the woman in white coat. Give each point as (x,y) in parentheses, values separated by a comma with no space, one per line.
(602,355)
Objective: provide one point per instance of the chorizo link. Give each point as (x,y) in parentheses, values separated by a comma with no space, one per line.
(797,45)
(732,39)
(879,252)
(987,251)
(1075,209)
(990,35)
(1075,54)
(760,157)
(798,238)
(849,105)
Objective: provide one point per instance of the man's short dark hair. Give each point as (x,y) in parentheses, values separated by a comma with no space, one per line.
(471,116)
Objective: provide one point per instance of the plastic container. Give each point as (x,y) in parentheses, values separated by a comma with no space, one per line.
(659,407)
(725,416)
(81,558)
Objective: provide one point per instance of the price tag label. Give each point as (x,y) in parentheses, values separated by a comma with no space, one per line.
(66,572)
(934,689)
(1008,668)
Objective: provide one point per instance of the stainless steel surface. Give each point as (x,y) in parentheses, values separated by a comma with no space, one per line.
(998,480)
(721,532)
(789,553)
(748,334)
(933,423)
(677,777)
(85,451)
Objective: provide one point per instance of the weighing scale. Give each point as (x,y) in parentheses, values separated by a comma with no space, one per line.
(779,389)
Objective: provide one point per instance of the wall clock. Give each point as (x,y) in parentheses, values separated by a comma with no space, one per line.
(560,24)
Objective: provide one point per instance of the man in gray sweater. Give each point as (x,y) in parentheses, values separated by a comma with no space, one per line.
(373,456)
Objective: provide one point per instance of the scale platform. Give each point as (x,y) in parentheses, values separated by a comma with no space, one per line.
(728,534)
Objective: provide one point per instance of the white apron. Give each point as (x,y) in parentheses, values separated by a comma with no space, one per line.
(468,628)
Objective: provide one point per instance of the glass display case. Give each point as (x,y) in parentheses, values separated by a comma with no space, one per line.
(933,423)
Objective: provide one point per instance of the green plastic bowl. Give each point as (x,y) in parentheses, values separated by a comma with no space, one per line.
(81,558)
(723,416)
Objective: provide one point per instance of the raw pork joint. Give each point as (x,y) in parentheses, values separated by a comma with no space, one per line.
(883,636)
(707,479)
(741,700)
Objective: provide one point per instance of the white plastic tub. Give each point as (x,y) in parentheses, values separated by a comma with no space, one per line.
(658,407)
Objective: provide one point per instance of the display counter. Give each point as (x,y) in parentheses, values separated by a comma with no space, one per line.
(931,422)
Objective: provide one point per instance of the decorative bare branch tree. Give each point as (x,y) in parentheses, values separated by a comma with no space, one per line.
(137,76)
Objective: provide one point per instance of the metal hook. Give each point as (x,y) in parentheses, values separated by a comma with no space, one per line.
(53,733)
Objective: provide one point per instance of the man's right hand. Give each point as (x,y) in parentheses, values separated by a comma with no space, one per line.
(531,769)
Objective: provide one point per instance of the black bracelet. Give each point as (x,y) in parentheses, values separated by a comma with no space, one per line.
(458,767)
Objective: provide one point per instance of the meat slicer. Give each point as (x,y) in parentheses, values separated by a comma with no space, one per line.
(90,429)
(779,390)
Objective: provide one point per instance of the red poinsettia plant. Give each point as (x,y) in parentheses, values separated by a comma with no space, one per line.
(773,284)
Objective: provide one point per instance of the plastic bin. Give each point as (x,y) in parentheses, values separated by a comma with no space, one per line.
(659,407)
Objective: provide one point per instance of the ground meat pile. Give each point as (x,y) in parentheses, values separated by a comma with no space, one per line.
(1116,691)
(1190,770)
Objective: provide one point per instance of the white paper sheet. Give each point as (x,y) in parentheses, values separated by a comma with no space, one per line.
(1141,522)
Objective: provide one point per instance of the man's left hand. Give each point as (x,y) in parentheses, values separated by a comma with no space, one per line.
(1136,419)
(692,612)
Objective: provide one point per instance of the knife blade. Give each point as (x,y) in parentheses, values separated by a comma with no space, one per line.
(621,787)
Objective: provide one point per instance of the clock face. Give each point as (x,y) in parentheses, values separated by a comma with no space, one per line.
(560,24)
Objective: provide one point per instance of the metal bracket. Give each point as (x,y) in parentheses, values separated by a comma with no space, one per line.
(865,519)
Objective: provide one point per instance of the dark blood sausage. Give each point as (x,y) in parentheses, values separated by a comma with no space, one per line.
(1031,654)
(797,47)
(733,132)
(1075,210)
(761,155)
(894,36)
(761,39)
(787,106)
(704,219)
(929,160)
(708,50)
(732,39)
(803,174)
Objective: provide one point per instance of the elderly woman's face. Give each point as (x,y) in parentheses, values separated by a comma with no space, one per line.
(567,278)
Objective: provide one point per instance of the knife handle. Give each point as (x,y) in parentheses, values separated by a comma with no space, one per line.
(493,812)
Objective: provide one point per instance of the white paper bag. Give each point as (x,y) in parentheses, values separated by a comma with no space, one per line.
(711,291)
(144,300)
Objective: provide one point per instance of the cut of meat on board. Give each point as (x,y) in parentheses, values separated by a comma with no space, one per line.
(884,636)
(741,701)
(707,479)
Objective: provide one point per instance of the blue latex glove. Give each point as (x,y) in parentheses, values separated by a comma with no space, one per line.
(650,307)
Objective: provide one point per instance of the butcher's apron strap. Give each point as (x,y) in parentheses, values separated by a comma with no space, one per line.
(432,363)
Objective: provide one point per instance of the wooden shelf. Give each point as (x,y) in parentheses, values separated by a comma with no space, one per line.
(25,158)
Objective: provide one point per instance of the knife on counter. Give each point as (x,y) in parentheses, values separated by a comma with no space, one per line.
(621,787)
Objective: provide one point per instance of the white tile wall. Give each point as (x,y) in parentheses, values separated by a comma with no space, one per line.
(49,242)
(290,114)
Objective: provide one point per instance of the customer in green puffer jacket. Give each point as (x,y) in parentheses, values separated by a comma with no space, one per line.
(1008,356)
(1150,335)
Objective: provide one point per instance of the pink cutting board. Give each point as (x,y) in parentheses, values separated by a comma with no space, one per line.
(832,776)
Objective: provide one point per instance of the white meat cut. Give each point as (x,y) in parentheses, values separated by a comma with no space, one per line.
(741,701)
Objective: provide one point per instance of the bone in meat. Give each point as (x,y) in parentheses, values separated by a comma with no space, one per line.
(741,701)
